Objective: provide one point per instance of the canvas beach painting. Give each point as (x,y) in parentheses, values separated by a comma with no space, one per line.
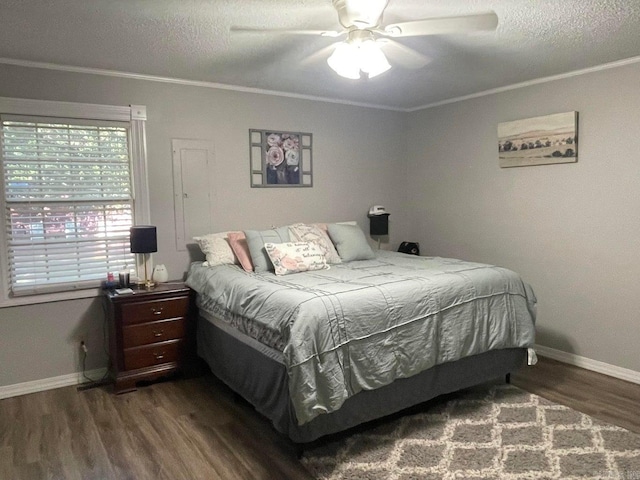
(539,140)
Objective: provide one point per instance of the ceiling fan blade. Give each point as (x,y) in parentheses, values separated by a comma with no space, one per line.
(320,55)
(286,31)
(405,56)
(444,25)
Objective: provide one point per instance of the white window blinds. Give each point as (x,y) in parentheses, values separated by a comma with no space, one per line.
(68,202)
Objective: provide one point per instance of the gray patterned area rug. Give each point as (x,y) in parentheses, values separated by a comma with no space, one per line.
(498,432)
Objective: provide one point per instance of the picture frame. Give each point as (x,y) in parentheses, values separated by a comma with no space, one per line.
(541,140)
(280,158)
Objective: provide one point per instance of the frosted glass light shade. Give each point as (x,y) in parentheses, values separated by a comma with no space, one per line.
(349,58)
(344,61)
(372,60)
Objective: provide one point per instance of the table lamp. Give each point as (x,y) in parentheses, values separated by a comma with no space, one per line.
(143,240)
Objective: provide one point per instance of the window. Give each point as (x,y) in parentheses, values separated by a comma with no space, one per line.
(68,198)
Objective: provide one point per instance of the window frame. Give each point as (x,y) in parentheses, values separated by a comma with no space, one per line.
(135,116)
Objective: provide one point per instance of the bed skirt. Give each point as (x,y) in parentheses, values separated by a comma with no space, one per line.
(257,373)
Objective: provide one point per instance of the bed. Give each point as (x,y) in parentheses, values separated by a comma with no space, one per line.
(322,351)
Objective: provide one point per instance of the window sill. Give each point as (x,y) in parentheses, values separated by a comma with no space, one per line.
(49,297)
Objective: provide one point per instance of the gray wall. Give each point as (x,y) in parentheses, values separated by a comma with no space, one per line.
(570,230)
(359,160)
(42,341)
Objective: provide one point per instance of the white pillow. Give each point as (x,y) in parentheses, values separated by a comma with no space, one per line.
(294,257)
(217,250)
(315,234)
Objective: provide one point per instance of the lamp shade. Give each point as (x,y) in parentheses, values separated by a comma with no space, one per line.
(143,239)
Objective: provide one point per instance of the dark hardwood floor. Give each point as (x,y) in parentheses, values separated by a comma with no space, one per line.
(175,430)
(600,396)
(195,429)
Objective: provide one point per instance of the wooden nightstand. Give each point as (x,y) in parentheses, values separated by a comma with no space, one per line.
(151,333)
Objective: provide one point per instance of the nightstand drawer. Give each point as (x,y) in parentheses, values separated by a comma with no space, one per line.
(149,311)
(154,354)
(153,332)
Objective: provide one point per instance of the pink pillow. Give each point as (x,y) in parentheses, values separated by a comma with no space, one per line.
(238,243)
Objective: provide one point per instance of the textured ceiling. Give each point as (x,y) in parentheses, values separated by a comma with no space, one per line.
(190,39)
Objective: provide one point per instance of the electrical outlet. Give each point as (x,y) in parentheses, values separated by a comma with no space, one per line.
(83,346)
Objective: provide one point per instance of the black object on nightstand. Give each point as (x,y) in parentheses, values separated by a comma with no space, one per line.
(151,333)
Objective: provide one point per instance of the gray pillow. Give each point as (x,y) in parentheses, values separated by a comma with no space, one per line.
(256,240)
(350,242)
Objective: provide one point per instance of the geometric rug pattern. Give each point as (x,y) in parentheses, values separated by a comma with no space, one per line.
(490,432)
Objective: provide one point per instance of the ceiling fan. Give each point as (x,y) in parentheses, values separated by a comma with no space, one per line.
(361,51)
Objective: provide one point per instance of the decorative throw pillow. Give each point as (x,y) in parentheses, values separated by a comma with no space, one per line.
(294,257)
(350,242)
(238,243)
(313,233)
(257,239)
(216,249)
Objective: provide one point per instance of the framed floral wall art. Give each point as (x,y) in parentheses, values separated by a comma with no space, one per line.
(281,159)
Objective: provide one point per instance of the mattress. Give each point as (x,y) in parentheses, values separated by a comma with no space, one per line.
(362,325)
(257,372)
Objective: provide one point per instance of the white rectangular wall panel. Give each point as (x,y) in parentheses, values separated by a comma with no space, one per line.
(192,169)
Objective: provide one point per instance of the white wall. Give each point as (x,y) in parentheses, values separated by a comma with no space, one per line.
(359,160)
(570,230)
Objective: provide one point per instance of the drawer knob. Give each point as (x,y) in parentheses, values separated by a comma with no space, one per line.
(156,311)
(159,356)
(158,334)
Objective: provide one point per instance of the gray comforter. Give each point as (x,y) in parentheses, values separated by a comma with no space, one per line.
(361,325)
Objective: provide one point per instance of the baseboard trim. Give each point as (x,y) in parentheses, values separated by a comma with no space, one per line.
(49,383)
(589,364)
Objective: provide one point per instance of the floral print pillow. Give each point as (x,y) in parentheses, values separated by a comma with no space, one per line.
(313,233)
(294,257)
(216,248)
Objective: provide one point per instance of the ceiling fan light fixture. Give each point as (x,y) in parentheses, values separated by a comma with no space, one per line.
(359,53)
(372,59)
(362,22)
(344,60)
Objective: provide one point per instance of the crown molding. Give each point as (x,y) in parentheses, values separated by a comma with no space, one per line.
(259,91)
(528,83)
(191,83)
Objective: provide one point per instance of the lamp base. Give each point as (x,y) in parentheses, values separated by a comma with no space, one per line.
(147,283)
(143,284)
